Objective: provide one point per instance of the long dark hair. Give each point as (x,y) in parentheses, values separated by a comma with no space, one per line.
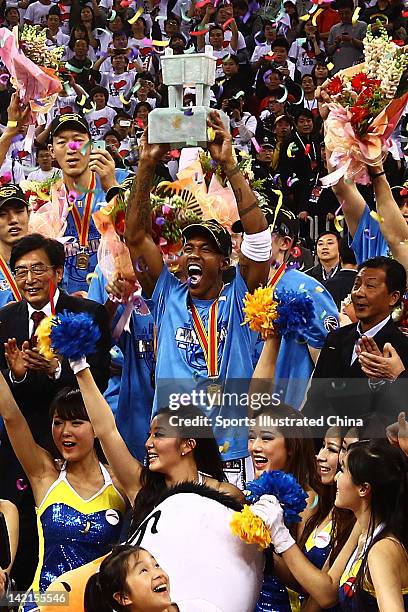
(110,579)
(73,39)
(385,468)
(205,453)
(342,520)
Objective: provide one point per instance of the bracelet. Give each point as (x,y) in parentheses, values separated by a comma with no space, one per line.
(12,124)
(374,176)
(231,173)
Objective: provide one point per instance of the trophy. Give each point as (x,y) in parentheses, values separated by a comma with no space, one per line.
(179,125)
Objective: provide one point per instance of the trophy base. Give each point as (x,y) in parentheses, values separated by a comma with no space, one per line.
(186,127)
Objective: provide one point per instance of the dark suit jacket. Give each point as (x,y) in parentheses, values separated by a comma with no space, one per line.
(341,284)
(35,394)
(339,388)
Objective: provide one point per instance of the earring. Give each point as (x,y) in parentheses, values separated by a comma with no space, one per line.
(182,454)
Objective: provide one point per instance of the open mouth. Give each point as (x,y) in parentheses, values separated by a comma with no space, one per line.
(259,462)
(32,291)
(68,444)
(195,273)
(152,457)
(161,588)
(324,469)
(14,230)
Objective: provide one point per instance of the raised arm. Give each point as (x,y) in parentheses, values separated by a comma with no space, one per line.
(124,466)
(255,273)
(146,257)
(394,228)
(353,204)
(36,462)
(17,115)
(12,521)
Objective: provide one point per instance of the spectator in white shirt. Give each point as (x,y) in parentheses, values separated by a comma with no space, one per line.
(243,124)
(262,49)
(45,170)
(101,119)
(55,38)
(12,17)
(37,12)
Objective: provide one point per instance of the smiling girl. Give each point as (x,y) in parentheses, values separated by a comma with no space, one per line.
(79,510)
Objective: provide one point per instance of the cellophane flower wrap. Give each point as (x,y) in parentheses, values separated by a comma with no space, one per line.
(32,65)
(368,101)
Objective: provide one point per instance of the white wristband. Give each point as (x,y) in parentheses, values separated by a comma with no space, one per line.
(257,246)
(77,365)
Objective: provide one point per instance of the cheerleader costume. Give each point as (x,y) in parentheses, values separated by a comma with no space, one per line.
(73,531)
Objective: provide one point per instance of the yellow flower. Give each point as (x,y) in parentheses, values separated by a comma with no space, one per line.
(250,528)
(260,310)
(43,334)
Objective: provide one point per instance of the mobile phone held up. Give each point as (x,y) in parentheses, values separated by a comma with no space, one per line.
(99,144)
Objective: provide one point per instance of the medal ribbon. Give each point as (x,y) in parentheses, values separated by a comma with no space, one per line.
(82,223)
(208,342)
(276,277)
(10,279)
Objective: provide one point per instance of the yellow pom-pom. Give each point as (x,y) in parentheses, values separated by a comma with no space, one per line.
(43,334)
(260,310)
(250,528)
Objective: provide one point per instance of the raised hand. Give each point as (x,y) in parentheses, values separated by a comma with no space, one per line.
(221,146)
(15,359)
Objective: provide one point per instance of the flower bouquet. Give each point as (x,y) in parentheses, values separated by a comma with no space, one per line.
(49,207)
(33,66)
(368,101)
(39,192)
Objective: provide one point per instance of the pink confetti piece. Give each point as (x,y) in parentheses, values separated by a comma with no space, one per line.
(74,145)
(256,144)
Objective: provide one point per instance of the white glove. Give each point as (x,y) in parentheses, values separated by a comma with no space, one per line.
(270,511)
(77,365)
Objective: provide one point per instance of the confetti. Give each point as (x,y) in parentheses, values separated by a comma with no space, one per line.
(315,16)
(189,112)
(374,215)
(202,3)
(72,196)
(292,148)
(123,100)
(136,16)
(190,50)
(210,134)
(256,144)
(82,100)
(224,447)
(285,95)
(324,313)
(367,234)
(337,223)
(330,66)
(112,16)
(90,276)
(85,147)
(74,145)
(356,14)
(160,221)
(4,78)
(307,149)
(319,289)
(199,32)
(227,23)
(184,17)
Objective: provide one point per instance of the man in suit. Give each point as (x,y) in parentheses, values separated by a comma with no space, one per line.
(361,367)
(327,251)
(341,283)
(38,267)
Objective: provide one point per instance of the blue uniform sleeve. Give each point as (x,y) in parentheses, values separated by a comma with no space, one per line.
(326,316)
(96,289)
(368,240)
(166,283)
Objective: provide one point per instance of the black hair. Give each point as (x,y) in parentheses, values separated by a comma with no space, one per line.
(68,405)
(307,75)
(120,33)
(32,242)
(93,24)
(112,133)
(111,579)
(140,105)
(54,10)
(329,233)
(303,112)
(177,36)
(280,42)
(268,23)
(10,8)
(347,255)
(143,20)
(121,115)
(395,274)
(215,27)
(344,4)
(72,39)
(232,57)
(206,454)
(101,90)
(385,468)
(42,147)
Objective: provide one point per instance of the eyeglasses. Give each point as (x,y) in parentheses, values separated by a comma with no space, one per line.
(36,270)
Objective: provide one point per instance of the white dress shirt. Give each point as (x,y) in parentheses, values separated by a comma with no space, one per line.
(370,333)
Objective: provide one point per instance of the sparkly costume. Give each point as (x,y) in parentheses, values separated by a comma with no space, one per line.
(73,531)
(349,601)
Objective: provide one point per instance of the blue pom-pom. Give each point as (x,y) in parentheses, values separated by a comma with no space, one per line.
(284,487)
(295,312)
(75,335)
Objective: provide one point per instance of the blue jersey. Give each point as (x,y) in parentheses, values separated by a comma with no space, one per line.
(130,392)
(98,293)
(181,366)
(294,365)
(368,240)
(74,277)
(6,294)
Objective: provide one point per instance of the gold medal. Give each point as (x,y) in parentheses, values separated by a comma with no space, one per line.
(82,260)
(214,394)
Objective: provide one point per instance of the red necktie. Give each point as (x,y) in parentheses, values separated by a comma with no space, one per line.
(37,317)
